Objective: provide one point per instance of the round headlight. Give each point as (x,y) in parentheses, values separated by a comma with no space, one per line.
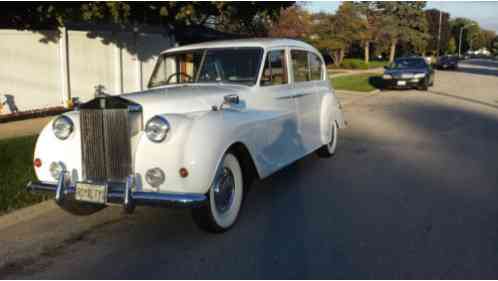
(155,177)
(157,129)
(56,168)
(62,127)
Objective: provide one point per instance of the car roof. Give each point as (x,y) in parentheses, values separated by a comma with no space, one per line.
(265,43)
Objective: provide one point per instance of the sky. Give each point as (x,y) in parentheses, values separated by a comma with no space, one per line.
(485,13)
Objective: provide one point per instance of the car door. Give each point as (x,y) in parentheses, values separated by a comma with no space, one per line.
(305,92)
(275,98)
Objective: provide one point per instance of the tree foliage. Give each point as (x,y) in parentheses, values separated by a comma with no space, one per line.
(246,17)
(293,22)
(438,21)
(403,22)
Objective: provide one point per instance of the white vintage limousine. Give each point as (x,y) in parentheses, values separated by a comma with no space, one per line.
(215,116)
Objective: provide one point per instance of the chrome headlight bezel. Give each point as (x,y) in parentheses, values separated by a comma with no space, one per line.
(62,127)
(155,177)
(56,168)
(157,129)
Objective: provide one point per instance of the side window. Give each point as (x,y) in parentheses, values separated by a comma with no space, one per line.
(315,67)
(300,65)
(275,71)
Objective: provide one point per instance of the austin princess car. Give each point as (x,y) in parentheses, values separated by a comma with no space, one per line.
(408,72)
(447,62)
(215,116)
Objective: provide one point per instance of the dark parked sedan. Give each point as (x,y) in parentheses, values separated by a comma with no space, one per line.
(447,62)
(409,72)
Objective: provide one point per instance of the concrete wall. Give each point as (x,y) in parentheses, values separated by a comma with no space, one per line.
(37,73)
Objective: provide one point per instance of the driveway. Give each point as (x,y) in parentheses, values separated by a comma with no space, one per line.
(411,193)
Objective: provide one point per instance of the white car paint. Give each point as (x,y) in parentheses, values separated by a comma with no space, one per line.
(277,124)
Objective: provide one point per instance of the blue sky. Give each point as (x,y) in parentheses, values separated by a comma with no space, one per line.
(485,13)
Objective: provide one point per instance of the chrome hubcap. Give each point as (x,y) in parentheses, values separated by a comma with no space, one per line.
(224,190)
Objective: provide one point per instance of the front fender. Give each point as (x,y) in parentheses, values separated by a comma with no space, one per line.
(196,142)
(50,149)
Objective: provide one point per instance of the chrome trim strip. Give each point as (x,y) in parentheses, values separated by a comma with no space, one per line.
(294,96)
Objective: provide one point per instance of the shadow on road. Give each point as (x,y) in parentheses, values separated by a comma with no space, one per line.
(474,101)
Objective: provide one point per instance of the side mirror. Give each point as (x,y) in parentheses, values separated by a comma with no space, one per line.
(231,99)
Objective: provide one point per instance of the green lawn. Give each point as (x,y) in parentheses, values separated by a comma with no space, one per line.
(359,82)
(16,169)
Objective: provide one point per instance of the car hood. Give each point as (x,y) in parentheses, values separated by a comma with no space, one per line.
(181,98)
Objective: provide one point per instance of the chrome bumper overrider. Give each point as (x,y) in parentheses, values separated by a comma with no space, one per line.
(120,193)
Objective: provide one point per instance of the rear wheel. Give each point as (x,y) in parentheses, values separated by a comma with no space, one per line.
(328,150)
(224,198)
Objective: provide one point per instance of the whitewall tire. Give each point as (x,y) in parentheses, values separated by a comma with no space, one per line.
(328,150)
(224,197)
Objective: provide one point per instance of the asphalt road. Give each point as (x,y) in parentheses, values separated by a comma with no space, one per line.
(411,193)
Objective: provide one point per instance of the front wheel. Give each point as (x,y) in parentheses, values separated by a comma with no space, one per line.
(224,197)
(328,150)
(425,85)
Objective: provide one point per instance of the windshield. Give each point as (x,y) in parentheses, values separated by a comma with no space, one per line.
(409,63)
(230,65)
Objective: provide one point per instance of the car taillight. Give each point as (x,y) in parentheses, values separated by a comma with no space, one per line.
(37,163)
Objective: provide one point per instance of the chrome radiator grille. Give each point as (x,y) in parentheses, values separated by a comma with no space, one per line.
(105,142)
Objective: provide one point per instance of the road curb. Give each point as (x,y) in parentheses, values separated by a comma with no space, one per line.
(26,214)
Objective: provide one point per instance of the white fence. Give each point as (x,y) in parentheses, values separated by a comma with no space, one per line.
(36,73)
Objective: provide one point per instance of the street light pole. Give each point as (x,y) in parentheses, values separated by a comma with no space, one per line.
(439,33)
(460,42)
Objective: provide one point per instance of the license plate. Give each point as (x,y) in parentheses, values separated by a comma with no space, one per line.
(401,83)
(94,193)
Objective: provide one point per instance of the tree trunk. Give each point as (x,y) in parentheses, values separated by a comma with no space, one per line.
(392,52)
(367,52)
(335,57)
(342,54)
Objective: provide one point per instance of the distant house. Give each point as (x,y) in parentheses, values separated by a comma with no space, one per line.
(50,68)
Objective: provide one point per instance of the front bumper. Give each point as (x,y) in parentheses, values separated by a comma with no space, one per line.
(407,83)
(119,193)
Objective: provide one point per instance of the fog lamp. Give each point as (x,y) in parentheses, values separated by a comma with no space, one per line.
(56,168)
(155,177)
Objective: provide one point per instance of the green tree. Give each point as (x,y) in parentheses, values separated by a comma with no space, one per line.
(324,35)
(293,22)
(451,46)
(246,17)
(403,22)
(468,28)
(438,30)
(368,20)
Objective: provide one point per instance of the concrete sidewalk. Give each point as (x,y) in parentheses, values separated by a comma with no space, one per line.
(42,229)
(22,128)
